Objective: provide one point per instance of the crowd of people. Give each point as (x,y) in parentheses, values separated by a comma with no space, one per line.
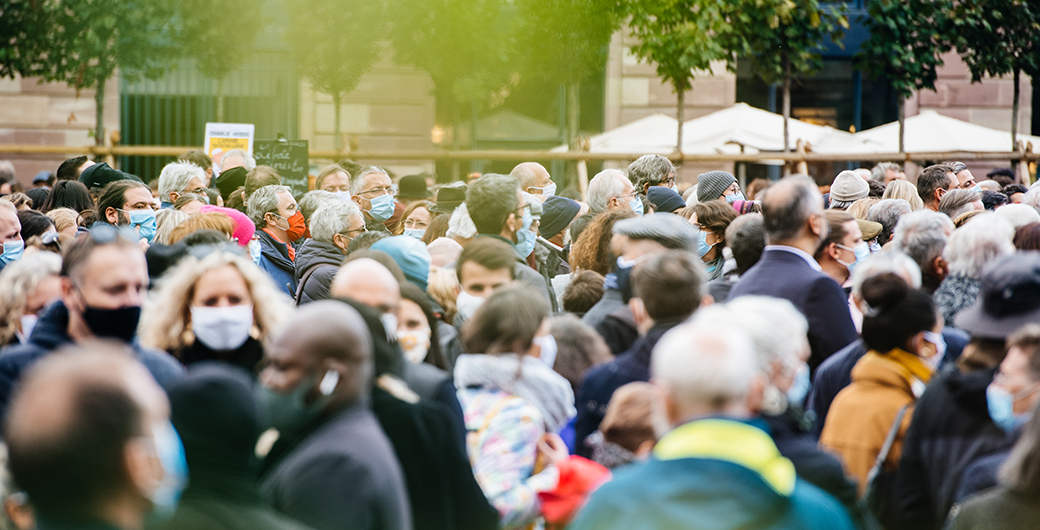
(209,350)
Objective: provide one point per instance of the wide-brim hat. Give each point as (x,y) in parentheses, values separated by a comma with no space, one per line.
(1009,298)
(449,198)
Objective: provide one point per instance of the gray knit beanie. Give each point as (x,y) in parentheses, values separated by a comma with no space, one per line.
(712,184)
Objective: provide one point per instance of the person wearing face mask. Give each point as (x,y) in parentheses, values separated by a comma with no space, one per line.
(219,420)
(178,178)
(27,287)
(514,403)
(843,249)
(792,214)
(374,192)
(484,266)
(416,220)
(534,179)
(367,282)
(279,224)
(901,328)
(332,466)
(718,185)
(418,329)
(218,308)
(10,234)
(89,439)
(711,220)
(667,290)
(103,283)
(499,210)
(333,227)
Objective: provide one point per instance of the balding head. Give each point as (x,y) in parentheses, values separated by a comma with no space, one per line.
(320,338)
(368,282)
(533,178)
(792,213)
(74,434)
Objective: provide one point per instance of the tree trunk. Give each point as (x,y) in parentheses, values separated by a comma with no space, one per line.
(902,122)
(1014,112)
(573,115)
(220,100)
(337,139)
(99,110)
(680,114)
(787,101)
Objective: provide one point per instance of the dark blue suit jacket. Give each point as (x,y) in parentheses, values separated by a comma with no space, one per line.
(782,274)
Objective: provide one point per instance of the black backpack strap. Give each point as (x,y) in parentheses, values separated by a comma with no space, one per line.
(303,280)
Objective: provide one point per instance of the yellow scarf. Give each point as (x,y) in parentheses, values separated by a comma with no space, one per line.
(909,362)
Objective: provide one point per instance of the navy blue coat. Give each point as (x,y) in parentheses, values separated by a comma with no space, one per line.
(51,333)
(782,274)
(601,381)
(274,260)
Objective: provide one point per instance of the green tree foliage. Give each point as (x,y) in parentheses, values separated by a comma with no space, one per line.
(783,39)
(335,42)
(999,37)
(681,37)
(218,34)
(23,23)
(464,46)
(566,42)
(907,39)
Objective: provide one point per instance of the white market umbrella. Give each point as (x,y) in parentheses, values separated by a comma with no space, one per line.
(927,132)
(654,134)
(756,130)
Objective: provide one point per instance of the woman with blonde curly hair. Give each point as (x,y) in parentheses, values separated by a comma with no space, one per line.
(901,189)
(220,307)
(27,287)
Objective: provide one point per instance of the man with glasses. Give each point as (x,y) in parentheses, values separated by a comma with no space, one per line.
(279,224)
(610,189)
(333,226)
(651,170)
(374,193)
(104,279)
(178,178)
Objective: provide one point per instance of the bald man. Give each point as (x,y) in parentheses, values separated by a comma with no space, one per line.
(89,440)
(534,179)
(367,282)
(332,466)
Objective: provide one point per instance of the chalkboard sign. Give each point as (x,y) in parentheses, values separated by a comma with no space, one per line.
(289,158)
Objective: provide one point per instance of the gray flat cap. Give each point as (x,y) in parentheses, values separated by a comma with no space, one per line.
(671,231)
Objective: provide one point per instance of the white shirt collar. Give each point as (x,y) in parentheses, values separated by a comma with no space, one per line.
(797,252)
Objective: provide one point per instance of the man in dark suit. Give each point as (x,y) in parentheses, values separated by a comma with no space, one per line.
(792,212)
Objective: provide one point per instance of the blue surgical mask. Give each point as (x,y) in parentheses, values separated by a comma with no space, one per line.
(738,196)
(417,233)
(146,220)
(862,251)
(170,452)
(977,188)
(636,204)
(382,207)
(13,251)
(525,238)
(800,387)
(254,251)
(702,243)
(1001,405)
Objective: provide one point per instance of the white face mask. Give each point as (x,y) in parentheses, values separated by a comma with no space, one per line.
(415,344)
(547,345)
(28,323)
(222,328)
(467,304)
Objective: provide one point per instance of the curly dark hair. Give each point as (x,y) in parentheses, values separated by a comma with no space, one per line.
(591,251)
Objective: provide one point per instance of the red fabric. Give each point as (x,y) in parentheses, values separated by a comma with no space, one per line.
(579,477)
(391,223)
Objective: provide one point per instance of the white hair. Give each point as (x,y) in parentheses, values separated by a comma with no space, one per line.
(775,326)
(332,218)
(1032,197)
(248,162)
(358,183)
(706,364)
(443,251)
(606,185)
(980,241)
(264,201)
(922,235)
(175,177)
(892,261)
(1018,214)
(460,224)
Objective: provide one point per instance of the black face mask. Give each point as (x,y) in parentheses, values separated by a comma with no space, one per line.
(120,324)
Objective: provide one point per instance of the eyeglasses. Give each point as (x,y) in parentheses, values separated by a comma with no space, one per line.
(361,230)
(104,234)
(391,191)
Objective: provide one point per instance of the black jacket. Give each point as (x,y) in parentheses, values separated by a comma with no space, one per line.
(274,260)
(950,428)
(618,330)
(325,259)
(51,333)
(246,357)
(601,381)
(339,473)
(443,492)
(782,274)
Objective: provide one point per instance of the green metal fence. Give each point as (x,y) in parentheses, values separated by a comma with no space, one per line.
(174,109)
